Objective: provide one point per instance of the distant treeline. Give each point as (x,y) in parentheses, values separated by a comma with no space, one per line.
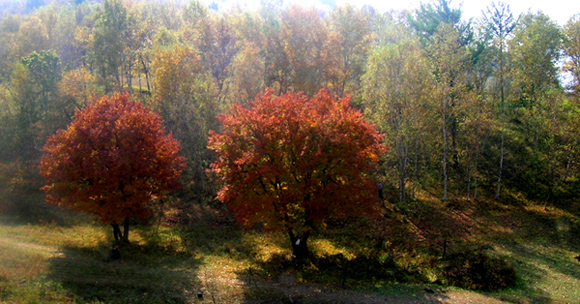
(469,108)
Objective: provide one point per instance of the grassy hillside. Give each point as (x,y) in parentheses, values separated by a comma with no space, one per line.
(396,259)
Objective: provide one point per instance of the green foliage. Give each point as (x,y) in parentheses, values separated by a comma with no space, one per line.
(35,97)
(431,16)
(396,87)
(106,47)
(185,97)
(44,68)
(7,125)
(534,50)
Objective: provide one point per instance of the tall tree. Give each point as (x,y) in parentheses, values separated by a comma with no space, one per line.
(35,84)
(535,52)
(63,40)
(446,38)
(7,126)
(107,43)
(217,48)
(278,71)
(248,68)
(114,160)
(185,95)
(397,88)
(501,23)
(450,60)
(429,17)
(294,161)
(347,49)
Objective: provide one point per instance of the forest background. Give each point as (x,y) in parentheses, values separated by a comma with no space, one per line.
(472,110)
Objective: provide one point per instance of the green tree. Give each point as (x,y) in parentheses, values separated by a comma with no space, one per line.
(32,36)
(7,126)
(185,95)
(429,17)
(63,40)
(501,23)
(450,61)
(396,94)
(535,51)
(107,43)
(9,27)
(35,84)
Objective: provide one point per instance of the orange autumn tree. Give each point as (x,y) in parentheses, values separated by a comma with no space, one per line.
(113,160)
(292,162)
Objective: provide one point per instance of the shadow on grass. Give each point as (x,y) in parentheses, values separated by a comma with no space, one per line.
(540,243)
(144,274)
(334,279)
(287,288)
(211,230)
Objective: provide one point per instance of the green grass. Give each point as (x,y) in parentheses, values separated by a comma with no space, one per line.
(67,261)
(542,245)
(54,264)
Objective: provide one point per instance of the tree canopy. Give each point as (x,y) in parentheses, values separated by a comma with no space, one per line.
(293,161)
(112,161)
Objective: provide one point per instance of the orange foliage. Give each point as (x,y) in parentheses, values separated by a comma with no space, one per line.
(112,160)
(293,161)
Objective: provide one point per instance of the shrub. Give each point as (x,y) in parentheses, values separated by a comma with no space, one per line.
(366,266)
(475,269)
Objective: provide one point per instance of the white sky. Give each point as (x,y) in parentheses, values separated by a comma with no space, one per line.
(558,10)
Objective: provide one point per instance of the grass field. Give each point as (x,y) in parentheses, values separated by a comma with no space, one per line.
(201,250)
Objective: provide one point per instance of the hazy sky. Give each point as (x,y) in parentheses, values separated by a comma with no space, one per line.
(559,10)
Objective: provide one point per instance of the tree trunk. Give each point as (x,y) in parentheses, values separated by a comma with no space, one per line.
(499,176)
(568,166)
(146,72)
(117,232)
(126,230)
(498,191)
(444,162)
(299,244)
(403,159)
(122,236)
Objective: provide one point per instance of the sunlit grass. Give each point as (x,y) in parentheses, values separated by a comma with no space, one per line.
(70,263)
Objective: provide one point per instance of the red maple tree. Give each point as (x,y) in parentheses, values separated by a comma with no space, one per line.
(293,161)
(113,160)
